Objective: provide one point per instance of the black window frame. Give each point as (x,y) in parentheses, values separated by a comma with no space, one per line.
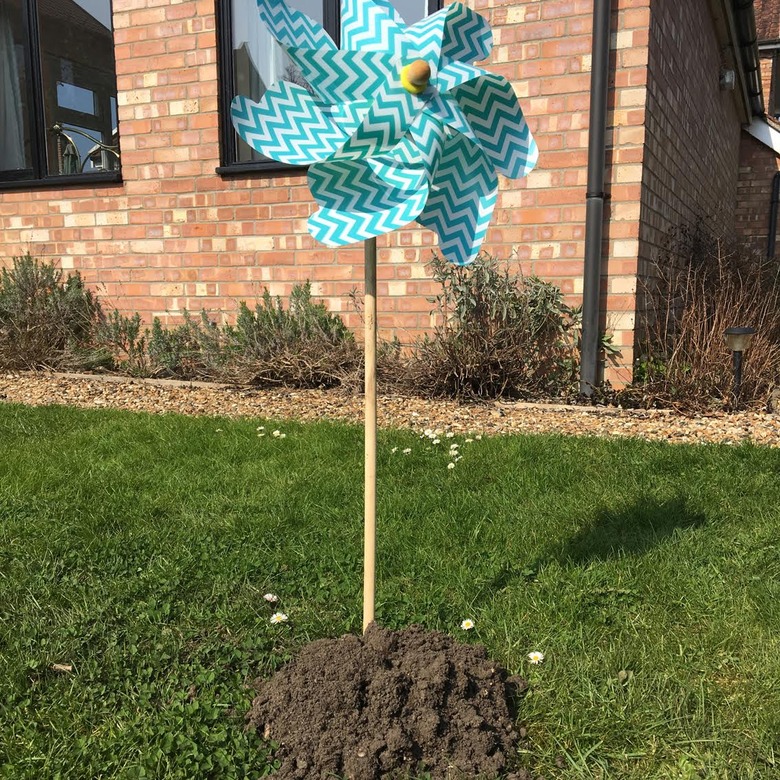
(774,86)
(226,87)
(38,175)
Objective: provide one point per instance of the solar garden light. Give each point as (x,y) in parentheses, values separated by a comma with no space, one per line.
(738,340)
(396,125)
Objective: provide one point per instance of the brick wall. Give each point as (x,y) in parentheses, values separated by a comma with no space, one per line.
(176,235)
(693,127)
(757,167)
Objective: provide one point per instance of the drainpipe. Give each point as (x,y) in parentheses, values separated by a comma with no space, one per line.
(747,38)
(594,198)
(770,244)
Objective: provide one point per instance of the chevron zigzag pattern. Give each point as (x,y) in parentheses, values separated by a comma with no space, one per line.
(405,152)
(386,123)
(338,75)
(453,73)
(351,185)
(467,35)
(446,109)
(495,116)
(369,26)
(336,228)
(292,27)
(397,175)
(426,36)
(392,10)
(346,116)
(380,156)
(428,135)
(286,125)
(462,198)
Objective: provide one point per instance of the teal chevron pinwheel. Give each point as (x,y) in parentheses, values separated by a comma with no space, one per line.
(397,125)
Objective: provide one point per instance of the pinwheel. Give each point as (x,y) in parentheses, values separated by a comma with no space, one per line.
(396,125)
(401,126)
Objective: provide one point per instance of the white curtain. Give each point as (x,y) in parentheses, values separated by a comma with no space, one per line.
(11,120)
(267,56)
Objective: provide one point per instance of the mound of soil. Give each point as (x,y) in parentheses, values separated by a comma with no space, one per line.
(389,704)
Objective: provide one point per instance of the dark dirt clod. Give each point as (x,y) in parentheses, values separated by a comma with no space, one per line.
(389,704)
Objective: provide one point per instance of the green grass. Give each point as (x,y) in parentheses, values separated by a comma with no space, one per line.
(137,549)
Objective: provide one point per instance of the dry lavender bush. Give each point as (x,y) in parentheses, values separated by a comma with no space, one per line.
(699,286)
(501,335)
(47,321)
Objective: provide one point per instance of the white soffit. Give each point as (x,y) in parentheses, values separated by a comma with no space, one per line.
(762,131)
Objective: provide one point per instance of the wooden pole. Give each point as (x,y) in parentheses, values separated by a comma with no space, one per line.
(369,539)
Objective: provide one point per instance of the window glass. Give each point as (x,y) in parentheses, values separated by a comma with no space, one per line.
(411,10)
(15,145)
(79,85)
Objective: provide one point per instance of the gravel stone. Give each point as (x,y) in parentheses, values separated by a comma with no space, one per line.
(201,398)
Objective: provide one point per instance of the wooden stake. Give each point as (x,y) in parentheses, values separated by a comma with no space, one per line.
(369,516)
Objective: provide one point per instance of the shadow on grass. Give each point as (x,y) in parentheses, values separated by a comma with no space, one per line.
(629,531)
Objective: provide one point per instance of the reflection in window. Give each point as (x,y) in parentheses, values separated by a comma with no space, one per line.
(258,60)
(73,86)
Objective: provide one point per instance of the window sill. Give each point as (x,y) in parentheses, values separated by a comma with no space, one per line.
(242,169)
(59,182)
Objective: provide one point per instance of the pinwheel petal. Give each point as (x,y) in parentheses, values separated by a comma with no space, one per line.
(367,25)
(390,116)
(490,105)
(292,27)
(397,174)
(447,110)
(286,125)
(467,35)
(453,73)
(428,135)
(347,116)
(353,185)
(462,198)
(397,18)
(336,228)
(337,75)
(427,34)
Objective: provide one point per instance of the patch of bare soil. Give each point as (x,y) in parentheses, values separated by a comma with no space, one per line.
(390,704)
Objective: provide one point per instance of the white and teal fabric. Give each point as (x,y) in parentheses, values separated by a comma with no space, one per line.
(379,156)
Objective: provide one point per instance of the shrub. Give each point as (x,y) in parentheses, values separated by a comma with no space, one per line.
(192,350)
(121,337)
(501,334)
(303,345)
(701,284)
(46,322)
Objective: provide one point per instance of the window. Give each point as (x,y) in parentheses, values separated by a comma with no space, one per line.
(250,60)
(58,111)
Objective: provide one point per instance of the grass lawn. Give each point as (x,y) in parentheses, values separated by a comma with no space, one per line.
(137,550)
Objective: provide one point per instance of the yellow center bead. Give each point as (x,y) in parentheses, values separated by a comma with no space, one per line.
(415,76)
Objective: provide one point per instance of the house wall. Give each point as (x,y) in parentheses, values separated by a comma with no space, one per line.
(757,167)
(176,235)
(692,130)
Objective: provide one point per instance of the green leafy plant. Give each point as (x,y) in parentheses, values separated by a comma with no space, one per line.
(501,334)
(46,321)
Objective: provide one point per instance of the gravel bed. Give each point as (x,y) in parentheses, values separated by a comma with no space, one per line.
(199,398)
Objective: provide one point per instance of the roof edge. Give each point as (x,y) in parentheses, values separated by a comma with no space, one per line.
(764,132)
